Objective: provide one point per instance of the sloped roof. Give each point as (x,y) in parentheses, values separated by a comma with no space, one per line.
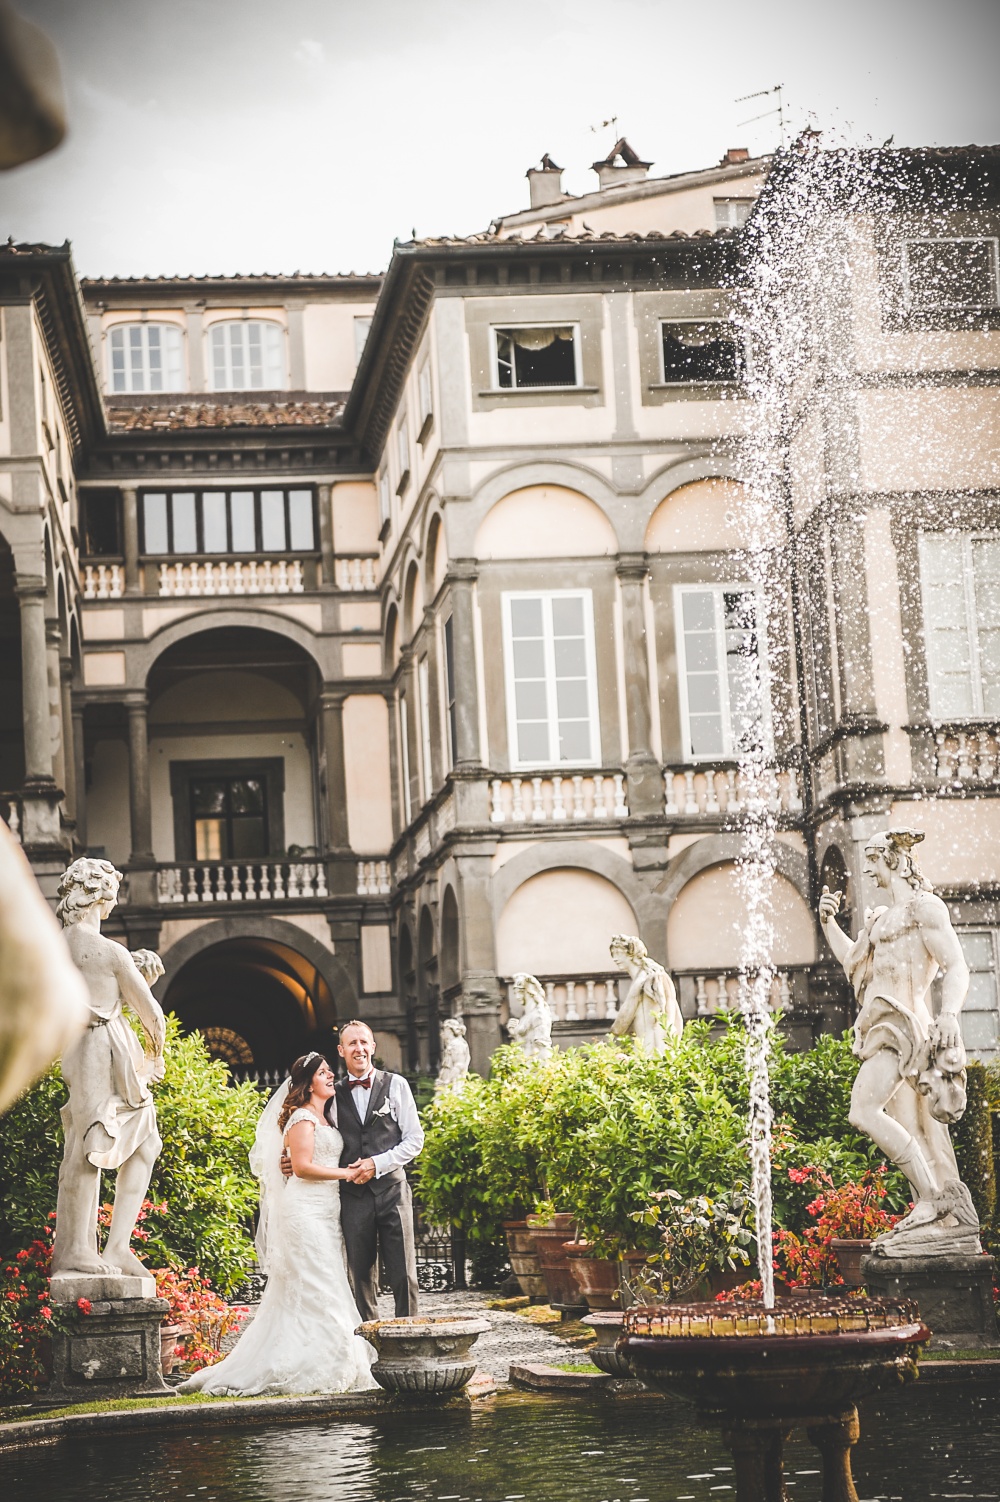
(242,414)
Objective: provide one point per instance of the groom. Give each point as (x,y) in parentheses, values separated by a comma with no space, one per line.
(377,1118)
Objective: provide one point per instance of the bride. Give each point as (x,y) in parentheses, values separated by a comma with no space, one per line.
(302,1339)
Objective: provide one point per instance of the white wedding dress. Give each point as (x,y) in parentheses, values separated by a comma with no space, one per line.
(302,1339)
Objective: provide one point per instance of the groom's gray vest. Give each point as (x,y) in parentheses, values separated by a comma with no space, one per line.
(366,1139)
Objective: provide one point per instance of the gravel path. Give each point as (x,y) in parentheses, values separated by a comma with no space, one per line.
(513,1338)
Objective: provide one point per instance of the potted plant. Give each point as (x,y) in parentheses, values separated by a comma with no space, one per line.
(597,1279)
(548,1229)
(845,1222)
(199,1314)
(695,1239)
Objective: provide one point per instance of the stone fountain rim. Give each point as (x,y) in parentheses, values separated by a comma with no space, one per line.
(844,1342)
(415,1327)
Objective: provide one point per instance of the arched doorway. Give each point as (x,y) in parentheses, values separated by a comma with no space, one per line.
(428,992)
(258,1003)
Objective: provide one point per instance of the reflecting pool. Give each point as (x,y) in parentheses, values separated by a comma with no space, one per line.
(931,1440)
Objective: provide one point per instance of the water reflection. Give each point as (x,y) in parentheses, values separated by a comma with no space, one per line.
(930,1441)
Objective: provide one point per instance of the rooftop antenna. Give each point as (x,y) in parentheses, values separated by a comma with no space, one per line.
(779,110)
(604,125)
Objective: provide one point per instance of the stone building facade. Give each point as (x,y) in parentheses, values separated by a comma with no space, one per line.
(394,635)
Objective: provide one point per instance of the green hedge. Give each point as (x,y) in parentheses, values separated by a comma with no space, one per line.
(973,1139)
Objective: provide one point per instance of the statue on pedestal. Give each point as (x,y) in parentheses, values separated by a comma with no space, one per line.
(455,1057)
(533,1029)
(109,1119)
(650,1009)
(911,1083)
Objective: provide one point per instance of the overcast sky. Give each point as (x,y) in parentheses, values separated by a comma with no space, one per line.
(283,135)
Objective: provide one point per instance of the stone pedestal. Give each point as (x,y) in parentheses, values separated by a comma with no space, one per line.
(953,1293)
(113,1351)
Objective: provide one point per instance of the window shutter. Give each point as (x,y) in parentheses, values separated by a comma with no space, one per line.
(946,625)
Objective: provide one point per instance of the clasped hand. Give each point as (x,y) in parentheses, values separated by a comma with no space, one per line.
(358,1172)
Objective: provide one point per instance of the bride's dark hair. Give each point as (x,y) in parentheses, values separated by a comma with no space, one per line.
(301,1081)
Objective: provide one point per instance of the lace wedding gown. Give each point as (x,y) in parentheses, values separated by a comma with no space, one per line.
(302,1339)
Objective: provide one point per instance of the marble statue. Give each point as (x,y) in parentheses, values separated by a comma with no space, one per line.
(109,1120)
(533,1029)
(911,1083)
(650,1010)
(43,997)
(455,1058)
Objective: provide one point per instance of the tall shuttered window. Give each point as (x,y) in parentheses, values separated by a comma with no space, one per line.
(960,580)
(551,679)
(723,676)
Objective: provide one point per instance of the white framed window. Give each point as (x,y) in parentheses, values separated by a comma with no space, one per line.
(722,663)
(540,356)
(731,213)
(402,453)
(384,498)
(362,328)
(705,350)
(248,354)
(145,357)
(551,678)
(960,272)
(426,396)
(427,766)
(960,584)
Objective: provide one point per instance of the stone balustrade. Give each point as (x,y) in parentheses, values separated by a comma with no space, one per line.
(579,998)
(962,756)
(708,791)
(718,992)
(269,576)
(103,581)
(356,573)
(374,879)
(553,798)
(238,881)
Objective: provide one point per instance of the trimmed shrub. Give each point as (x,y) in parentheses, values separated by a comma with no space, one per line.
(973,1139)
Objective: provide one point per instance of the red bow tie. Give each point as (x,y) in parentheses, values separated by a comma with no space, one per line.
(364,1084)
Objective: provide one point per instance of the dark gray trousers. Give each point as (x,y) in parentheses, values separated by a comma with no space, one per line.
(377,1221)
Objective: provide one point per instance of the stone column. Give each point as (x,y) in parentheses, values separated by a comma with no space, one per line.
(57,737)
(335,781)
(462,578)
(140,802)
(38,772)
(130,537)
(435,772)
(414,750)
(80,775)
(324,506)
(645,785)
(66,715)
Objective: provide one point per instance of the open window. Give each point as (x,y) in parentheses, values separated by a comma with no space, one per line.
(708,352)
(228,810)
(551,679)
(528,358)
(723,671)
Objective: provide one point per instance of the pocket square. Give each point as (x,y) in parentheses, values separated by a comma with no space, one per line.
(385,1109)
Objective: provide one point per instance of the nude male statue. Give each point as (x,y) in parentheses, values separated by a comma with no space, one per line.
(109,1119)
(650,1009)
(911,1082)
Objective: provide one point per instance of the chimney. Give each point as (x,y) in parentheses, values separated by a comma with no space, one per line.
(545,183)
(735,155)
(621,165)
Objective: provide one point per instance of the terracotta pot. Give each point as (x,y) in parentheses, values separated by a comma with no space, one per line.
(170,1335)
(850,1250)
(524,1260)
(550,1248)
(596,1278)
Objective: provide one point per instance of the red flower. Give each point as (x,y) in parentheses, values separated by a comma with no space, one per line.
(84,1306)
(46,1314)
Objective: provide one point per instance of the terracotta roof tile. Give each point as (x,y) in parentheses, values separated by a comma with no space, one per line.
(158,419)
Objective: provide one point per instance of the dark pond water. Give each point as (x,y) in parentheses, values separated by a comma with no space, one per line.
(926,1442)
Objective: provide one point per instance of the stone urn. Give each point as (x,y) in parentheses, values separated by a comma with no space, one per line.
(424,1358)
(849,1251)
(608,1325)
(596,1278)
(549,1237)
(524,1260)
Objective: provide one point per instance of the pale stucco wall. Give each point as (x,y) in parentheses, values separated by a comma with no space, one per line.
(560,923)
(545,521)
(704,929)
(962,844)
(355,517)
(710,516)
(107,802)
(943,439)
(366,756)
(328,333)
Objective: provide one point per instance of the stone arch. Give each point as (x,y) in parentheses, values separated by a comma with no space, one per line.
(449,946)
(545,521)
(413,600)
(561,922)
(704,516)
(463,522)
(718,849)
(391,656)
(146,653)
(435,554)
(428,989)
(835,873)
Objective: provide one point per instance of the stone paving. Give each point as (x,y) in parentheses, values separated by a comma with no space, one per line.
(514,1339)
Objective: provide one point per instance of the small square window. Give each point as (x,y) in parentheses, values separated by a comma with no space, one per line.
(952,273)
(536,357)
(731,213)
(709,352)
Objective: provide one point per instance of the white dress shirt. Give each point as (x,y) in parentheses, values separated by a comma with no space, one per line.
(403,1110)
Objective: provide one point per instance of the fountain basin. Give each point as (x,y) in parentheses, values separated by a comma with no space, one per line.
(424,1358)
(607,1323)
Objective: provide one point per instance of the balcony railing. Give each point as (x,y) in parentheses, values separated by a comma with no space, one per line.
(356,573)
(579,998)
(103,581)
(374,878)
(12,813)
(554,798)
(719,991)
(962,756)
(269,576)
(241,881)
(708,792)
